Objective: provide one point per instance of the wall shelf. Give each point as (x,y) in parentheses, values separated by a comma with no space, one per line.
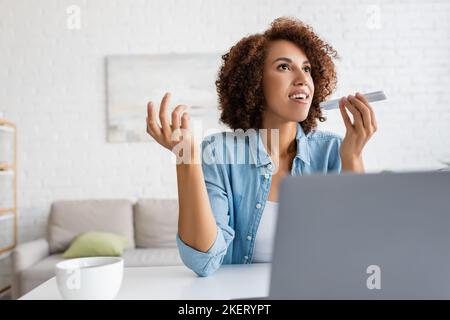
(8,183)
(8,201)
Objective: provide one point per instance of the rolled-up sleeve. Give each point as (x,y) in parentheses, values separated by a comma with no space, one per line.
(206,263)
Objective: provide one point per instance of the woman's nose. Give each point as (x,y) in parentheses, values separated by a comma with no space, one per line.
(300,79)
(300,82)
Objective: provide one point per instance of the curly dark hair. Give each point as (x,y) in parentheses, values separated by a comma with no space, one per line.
(239,83)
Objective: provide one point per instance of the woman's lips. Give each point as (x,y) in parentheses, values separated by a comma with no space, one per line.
(300,101)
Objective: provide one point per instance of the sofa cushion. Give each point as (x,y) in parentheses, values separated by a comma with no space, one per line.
(95,244)
(156,223)
(70,218)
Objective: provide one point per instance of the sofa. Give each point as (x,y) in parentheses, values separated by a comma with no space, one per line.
(150,226)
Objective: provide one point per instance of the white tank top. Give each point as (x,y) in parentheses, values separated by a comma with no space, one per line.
(265,235)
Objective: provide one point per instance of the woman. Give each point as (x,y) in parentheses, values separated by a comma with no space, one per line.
(272,81)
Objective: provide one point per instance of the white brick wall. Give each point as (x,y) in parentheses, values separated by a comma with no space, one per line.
(52,84)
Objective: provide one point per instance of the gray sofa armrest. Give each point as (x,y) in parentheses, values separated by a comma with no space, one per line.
(27,254)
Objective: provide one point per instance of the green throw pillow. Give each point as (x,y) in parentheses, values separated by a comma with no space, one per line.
(92,244)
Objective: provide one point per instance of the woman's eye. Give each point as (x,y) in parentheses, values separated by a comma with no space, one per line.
(283,65)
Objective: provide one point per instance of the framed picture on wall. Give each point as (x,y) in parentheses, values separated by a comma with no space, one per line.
(134,80)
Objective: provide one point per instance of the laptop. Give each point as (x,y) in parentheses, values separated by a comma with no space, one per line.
(372,236)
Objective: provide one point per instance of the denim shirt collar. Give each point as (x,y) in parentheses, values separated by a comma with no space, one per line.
(262,158)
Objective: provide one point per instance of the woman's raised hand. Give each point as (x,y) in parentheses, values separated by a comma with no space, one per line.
(358,133)
(174,136)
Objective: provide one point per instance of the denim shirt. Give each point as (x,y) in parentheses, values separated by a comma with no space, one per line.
(238,190)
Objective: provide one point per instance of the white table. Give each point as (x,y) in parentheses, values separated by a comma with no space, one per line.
(179,283)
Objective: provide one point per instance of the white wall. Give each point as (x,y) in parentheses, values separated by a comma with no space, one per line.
(52,84)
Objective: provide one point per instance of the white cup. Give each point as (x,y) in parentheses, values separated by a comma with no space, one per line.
(93,278)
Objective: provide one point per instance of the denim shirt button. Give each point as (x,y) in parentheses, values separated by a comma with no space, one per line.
(246,257)
(269,166)
(249,238)
(258,205)
(266,176)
